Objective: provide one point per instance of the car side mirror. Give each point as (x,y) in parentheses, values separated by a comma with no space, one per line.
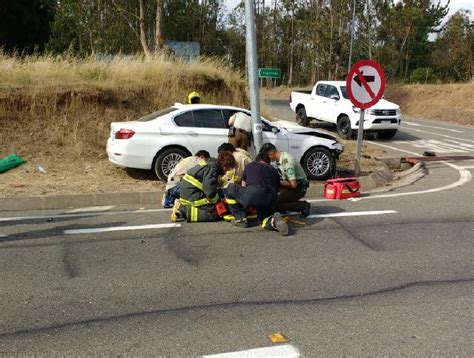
(275,130)
(335,97)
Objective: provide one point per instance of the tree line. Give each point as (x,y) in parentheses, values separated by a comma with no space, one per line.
(308,39)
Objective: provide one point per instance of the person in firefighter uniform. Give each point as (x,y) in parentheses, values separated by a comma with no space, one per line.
(199,191)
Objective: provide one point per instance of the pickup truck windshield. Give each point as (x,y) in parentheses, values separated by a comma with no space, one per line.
(344,92)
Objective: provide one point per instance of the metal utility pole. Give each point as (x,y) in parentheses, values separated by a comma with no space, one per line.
(360,136)
(352,37)
(252,72)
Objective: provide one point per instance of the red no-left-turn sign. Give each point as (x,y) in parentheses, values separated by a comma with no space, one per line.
(365,83)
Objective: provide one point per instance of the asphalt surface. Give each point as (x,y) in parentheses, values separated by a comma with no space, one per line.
(392,277)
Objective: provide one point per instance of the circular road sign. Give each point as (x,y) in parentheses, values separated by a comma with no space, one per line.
(365,83)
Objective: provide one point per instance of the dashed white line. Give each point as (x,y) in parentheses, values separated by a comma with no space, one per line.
(353,213)
(286,351)
(56,216)
(120,228)
(424,125)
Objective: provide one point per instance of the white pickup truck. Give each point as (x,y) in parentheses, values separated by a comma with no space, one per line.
(328,102)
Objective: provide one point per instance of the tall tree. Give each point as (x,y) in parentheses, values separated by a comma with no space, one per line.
(25,24)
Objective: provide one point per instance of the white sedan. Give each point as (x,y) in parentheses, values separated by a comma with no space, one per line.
(159,140)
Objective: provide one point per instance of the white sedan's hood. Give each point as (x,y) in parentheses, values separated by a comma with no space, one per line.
(295,128)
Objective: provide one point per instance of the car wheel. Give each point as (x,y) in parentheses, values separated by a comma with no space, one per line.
(387,134)
(301,117)
(166,161)
(344,128)
(319,163)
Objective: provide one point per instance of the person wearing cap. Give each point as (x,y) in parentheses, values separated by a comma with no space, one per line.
(293,183)
(194,98)
(240,131)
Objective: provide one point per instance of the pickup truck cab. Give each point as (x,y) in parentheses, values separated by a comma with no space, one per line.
(328,102)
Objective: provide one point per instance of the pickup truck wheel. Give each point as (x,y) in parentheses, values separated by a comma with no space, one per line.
(166,161)
(318,163)
(344,128)
(387,134)
(301,117)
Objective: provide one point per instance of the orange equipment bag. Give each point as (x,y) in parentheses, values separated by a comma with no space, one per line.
(221,208)
(342,188)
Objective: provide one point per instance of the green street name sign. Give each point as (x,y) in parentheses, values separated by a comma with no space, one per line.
(269,73)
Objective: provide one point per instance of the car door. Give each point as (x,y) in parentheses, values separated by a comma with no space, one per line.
(330,103)
(209,130)
(315,109)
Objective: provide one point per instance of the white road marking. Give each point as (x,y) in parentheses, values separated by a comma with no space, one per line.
(437,145)
(424,125)
(20,218)
(120,228)
(91,209)
(439,134)
(283,351)
(393,148)
(353,213)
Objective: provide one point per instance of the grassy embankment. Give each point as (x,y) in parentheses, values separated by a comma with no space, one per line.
(56,112)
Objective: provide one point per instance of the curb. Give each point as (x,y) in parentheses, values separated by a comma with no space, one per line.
(381,180)
(80,200)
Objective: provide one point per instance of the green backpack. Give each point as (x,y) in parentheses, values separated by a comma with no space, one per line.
(10,162)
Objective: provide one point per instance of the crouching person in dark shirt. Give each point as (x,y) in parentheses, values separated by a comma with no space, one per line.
(260,184)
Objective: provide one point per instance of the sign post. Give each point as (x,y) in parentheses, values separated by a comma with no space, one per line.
(365,85)
(252,67)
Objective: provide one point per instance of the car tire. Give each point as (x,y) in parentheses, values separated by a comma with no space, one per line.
(344,128)
(318,163)
(301,117)
(387,134)
(166,161)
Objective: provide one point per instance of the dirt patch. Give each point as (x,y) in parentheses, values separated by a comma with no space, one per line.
(74,176)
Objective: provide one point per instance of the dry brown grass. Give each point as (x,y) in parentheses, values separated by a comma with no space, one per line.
(446,102)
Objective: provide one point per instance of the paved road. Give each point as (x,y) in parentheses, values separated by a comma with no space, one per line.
(390,274)
(414,137)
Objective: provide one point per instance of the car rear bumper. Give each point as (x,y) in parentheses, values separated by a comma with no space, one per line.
(119,156)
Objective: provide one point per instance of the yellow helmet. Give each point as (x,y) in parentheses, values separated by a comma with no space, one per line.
(194,97)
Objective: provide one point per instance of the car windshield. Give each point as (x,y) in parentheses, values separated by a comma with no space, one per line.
(344,92)
(157,114)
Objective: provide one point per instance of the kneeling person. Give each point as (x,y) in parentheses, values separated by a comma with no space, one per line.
(293,184)
(198,194)
(260,187)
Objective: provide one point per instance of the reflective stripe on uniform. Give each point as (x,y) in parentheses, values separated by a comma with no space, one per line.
(231,201)
(193,181)
(265,221)
(199,202)
(194,214)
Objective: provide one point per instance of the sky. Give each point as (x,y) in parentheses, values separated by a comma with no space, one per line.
(455,5)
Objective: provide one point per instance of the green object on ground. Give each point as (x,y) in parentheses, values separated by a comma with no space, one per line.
(10,162)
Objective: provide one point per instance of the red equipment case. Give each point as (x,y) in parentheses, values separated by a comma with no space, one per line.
(342,188)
